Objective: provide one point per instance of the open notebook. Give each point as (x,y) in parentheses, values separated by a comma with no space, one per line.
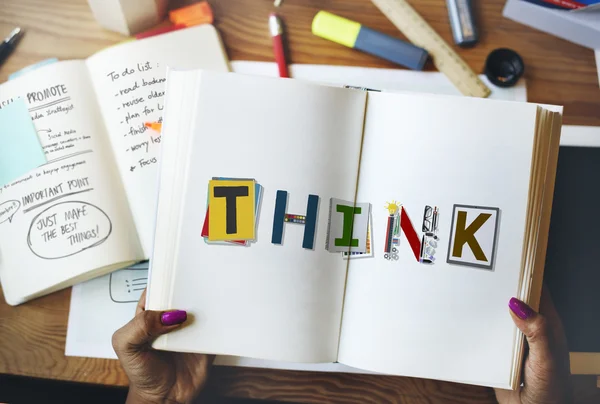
(90,209)
(441,203)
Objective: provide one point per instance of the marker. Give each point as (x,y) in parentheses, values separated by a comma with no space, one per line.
(354,35)
(154,126)
(462,20)
(9,44)
(276,28)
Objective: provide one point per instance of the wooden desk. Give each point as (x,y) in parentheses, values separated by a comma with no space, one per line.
(32,336)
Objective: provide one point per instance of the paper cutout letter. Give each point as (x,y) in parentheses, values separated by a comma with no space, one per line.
(410,233)
(346,240)
(231,213)
(473,236)
(430,239)
(309,221)
(230,194)
(397,213)
(348,226)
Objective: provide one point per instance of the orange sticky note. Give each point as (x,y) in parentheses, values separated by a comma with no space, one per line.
(154,126)
(196,14)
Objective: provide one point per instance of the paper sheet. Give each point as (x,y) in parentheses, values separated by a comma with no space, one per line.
(93,296)
(21,150)
(378,79)
(100,307)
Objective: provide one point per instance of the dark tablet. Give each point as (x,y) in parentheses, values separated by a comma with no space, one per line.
(573,259)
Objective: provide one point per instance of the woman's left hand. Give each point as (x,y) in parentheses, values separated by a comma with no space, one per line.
(158,376)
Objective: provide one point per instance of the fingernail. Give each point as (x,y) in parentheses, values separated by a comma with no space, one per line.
(522,310)
(173,317)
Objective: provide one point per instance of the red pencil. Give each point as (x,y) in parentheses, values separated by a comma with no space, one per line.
(276,29)
(571,4)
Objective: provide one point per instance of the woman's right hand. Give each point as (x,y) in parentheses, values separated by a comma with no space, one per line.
(546,373)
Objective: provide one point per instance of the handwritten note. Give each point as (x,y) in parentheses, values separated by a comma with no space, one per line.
(66,229)
(139,95)
(130,83)
(69,215)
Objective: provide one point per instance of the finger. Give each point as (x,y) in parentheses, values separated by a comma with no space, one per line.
(145,328)
(535,328)
(141,305)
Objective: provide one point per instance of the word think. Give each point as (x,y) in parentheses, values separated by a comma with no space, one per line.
(473,229)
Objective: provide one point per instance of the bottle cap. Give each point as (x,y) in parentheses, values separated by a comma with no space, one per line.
(504,67)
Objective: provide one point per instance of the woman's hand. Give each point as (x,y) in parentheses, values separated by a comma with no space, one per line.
(158,376)
(546,372)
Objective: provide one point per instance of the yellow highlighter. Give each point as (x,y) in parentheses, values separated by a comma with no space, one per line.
(354,35)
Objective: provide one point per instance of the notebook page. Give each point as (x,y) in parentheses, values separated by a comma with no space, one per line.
(446,321)
(267,301)
(130,82)
(70,215)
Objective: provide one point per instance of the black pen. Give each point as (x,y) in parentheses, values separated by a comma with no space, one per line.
(9,44)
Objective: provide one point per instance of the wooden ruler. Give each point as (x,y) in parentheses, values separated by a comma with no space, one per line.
(419,32)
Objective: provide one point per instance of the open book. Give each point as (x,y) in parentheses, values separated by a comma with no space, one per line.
(383,231)
(90,209)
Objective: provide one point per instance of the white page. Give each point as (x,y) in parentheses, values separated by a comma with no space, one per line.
(266,301)
(100,307)
(441,321)
(135,71)
(379,79)
(80,174)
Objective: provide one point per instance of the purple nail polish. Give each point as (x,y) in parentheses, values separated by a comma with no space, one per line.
(173,317)
(522,310)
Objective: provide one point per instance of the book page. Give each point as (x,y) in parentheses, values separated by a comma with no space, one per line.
(69,216)
(277,298)
(430,303)
(130,82)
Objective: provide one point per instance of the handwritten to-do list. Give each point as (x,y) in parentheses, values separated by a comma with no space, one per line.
(131,92)
(129,82)
(139,90)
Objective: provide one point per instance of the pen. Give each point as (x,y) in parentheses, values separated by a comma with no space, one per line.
(462,20)
(9,44)
(276,29)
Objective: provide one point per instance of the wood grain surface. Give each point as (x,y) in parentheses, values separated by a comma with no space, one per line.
(32,336)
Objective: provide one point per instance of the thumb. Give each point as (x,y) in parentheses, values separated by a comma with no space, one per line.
(535,328)
(145,327)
